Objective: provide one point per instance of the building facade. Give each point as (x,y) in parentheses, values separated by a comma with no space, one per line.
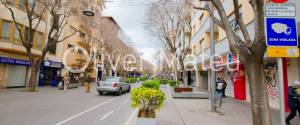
(13,58)
(238,86)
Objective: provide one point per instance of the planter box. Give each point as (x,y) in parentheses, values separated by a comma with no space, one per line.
(183,89)
(145,121)
(70,86)
(146,118)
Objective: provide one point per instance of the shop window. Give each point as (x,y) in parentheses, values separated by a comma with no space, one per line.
(5,31)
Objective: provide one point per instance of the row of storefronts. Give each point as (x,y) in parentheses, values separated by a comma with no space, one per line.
(15,73)
(237,82)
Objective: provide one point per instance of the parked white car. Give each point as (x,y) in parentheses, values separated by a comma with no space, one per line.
(113,85)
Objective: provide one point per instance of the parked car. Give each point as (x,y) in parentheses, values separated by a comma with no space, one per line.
(113,85)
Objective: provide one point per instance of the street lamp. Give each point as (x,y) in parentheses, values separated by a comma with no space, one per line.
(89,12)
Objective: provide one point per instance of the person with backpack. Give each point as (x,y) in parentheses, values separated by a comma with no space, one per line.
(293,101)
(223,86)
(220,88)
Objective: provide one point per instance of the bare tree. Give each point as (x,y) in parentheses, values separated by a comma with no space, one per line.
(251,52)
(36,11)
(169,21)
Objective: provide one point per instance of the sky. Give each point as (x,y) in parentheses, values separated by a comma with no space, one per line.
(130,15)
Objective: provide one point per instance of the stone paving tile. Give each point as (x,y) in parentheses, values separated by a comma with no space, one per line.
(196,112)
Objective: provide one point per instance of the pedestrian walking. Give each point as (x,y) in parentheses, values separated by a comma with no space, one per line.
(88,83)
(66,82)
(293,101)
(220,88)
(223,86)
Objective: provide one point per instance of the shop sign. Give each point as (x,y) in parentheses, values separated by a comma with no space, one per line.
(53,64)
(291,52)
(14,61)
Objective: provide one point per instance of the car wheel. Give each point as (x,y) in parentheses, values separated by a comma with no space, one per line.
(100,92)
(120,91)
(129,89)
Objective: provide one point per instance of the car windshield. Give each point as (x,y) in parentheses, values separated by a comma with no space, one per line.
(112,79)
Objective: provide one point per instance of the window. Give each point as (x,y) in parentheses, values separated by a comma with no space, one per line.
(52,47)
(31,2)
(70,46)
(233,21)
(17,34)
(201,45)
(21,2)
(39,40)
(27,34)
(200,19)
(5,34)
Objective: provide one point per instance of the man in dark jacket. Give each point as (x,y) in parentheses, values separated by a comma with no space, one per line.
(293,101)
(220,88)
(224,87)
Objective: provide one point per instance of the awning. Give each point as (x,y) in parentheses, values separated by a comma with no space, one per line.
(14,61)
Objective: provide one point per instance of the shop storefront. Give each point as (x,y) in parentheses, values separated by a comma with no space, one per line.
(234,74)
(9,69)
(49,72)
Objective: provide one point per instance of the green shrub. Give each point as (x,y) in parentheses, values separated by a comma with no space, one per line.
(130,80)
(173,83)
(143,78)
(147,99)
(164,81)
(154,84)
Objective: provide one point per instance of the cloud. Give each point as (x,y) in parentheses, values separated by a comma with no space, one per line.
(130,19)
(148,54)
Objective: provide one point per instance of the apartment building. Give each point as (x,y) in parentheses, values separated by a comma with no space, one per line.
(238,86)
(14,64)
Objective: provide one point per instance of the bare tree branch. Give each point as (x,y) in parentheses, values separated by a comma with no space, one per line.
(241,22)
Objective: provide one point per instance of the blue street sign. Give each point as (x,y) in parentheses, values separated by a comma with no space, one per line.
(281,32)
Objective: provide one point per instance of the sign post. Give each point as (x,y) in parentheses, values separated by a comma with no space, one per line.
(281,39)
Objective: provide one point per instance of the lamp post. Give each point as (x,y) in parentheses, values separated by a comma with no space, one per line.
(212,73)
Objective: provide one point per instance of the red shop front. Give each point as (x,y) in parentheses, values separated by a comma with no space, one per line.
(239,83)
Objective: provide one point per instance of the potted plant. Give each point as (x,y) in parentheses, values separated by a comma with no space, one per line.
(177,88)
(148,100)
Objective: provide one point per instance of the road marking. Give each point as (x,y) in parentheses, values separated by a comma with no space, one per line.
(85,111)
(131,117)
(107,115)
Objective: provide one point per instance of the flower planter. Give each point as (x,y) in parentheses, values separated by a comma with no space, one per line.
(146,118)
(183,89)
(70,86)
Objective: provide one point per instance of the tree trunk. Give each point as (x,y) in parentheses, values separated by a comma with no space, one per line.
(185,80)
(33,78)
(259,97)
